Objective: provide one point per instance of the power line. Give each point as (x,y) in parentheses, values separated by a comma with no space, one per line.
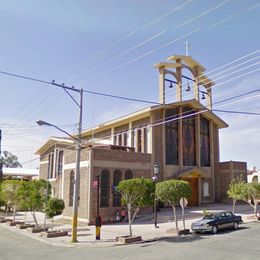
(140,44)
(128,35)
(64,86)
(237,112)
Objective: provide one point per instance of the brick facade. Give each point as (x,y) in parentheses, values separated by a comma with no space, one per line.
(227,172)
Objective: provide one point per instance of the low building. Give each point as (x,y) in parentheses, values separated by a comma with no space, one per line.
(253,175)
(227,172)
(20,173)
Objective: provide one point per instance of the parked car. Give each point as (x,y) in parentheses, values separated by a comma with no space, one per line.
(216,221)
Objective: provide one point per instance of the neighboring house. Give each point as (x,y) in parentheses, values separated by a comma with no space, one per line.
(253,175)
(181,137)
(20,173)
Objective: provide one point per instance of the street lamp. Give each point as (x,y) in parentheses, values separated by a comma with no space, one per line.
(78,150)
(156,170)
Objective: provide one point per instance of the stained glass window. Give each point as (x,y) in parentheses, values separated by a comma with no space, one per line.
(204,142)
(171,137)
(188,133)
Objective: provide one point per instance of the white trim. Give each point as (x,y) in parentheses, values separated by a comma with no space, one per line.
(73,165)
(44,162)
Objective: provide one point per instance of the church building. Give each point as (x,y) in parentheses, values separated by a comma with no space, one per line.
(182,137)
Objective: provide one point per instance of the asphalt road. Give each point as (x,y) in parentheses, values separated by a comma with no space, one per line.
(241,244)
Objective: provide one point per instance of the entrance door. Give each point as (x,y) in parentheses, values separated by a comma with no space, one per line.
(194,200)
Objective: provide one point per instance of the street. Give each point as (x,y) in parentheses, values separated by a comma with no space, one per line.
(240,244)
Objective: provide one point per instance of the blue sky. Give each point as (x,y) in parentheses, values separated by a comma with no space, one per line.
(111,46)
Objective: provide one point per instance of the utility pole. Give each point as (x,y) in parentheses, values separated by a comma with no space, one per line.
(78,150)
(76,179)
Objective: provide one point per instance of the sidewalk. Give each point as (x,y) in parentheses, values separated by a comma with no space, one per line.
(143,226)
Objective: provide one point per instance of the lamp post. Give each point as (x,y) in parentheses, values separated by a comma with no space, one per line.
(156,170)
(78,150)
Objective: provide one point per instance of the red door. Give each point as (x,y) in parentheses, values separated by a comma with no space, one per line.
(194,200)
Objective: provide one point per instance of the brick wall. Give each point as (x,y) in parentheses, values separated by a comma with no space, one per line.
(120,156)
(229,171)
(70,156)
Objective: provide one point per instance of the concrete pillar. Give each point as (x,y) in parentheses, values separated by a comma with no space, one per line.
(112,136)
(180,141)
(196,84)
(199,190)
(162,85)
(209,98)
(212,156)
(197,138)
(179,81)
(130,135)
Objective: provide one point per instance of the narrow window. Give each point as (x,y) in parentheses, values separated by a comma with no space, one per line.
(116,195)
(60,163)
(204,143)
(171,137)
(139,141)
(205,189)
(128,175)
(188,133)
(104,189)
(71,188)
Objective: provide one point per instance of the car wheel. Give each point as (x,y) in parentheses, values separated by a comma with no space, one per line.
(235,225)
(214,230)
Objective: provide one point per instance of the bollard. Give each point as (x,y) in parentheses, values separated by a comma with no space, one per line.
(98,227)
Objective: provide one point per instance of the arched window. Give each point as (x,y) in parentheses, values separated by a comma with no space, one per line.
(128,175)
(116,195)
(104,188)
(206,189)
(255,179)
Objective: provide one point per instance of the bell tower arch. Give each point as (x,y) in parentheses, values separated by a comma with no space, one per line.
(201,85)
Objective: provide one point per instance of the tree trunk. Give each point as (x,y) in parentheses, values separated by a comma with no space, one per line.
(129,219)
(234,204)
(14,210)
(34,218)
(175,217)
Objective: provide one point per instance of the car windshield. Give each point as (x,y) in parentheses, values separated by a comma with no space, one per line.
(210,216)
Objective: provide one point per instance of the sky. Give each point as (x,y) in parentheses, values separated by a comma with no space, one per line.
(111,46)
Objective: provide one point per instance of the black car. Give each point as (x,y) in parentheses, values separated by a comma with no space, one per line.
(216,221)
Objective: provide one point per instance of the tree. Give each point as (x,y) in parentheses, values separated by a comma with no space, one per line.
(34,195)
(9,160)
(252,195)
(171,191)
(136,193)
(10,194)
(54,207)
(237,190)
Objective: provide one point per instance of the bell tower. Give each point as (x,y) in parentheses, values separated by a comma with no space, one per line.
(174,66)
